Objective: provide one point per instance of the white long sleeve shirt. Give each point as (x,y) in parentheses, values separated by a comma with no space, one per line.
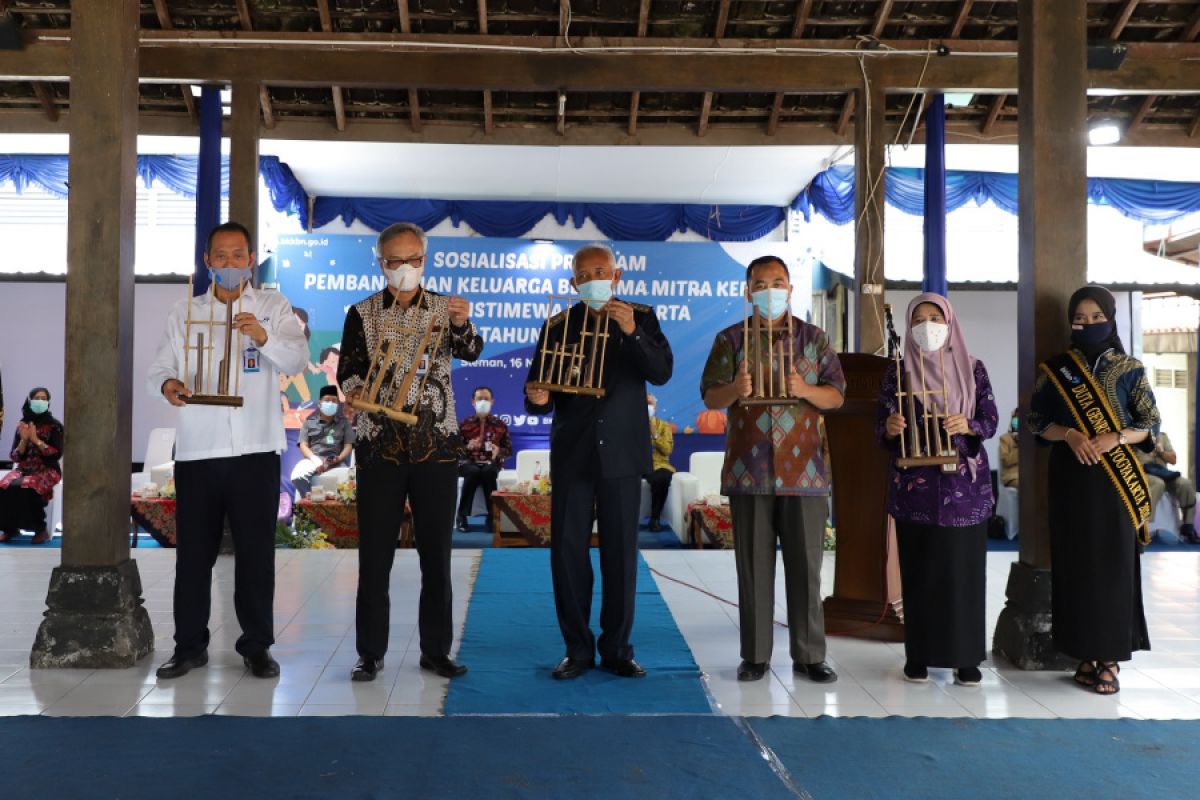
(219,431)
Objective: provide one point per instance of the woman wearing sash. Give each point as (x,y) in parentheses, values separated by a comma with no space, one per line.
(1093,404)
(941,518)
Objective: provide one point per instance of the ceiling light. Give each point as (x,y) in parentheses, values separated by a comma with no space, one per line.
(1104,132)
(958,99)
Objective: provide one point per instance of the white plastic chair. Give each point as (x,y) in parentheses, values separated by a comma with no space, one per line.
(702,479)
(1008,505)
(159,446)
(1164,522)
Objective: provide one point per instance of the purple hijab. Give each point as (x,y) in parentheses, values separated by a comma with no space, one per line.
(960,366)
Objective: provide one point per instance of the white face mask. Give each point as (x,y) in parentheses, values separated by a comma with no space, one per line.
(483,406)
(650,410)
(930,336)
(404,278)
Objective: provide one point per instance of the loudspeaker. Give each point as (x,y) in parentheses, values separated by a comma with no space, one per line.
(1107,55)
(10,34)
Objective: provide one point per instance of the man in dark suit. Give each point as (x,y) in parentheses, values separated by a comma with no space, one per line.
(599,450)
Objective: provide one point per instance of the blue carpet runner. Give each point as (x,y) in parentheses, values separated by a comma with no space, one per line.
(897,758)
(512,642)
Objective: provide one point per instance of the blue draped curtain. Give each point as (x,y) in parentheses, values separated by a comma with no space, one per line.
(831,194)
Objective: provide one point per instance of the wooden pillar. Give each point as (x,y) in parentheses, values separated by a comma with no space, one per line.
(1052,82)
(243,156)
(868,217)
(95,616)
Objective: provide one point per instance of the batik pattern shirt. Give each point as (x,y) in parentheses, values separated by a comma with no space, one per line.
(926,495)
(435,436)
(775,449)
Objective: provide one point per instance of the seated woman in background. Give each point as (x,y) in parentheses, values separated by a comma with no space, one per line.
(941,518)
(29,487)
(1009,455)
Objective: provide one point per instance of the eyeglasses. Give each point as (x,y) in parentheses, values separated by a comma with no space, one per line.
(396,263)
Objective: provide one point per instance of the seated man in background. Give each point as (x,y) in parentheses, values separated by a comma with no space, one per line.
(326,440)
(488,444)
(1162,478)
(662,442)
(1009,461)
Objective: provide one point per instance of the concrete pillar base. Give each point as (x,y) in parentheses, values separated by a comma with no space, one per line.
(1023,631)
(95,619)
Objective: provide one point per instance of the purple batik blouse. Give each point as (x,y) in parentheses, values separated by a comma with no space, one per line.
(926,495)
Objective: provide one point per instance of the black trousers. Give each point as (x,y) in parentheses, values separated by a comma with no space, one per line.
(383,488)
(660,483)
(476,476)
(614,502)
(246,489)
(21,509)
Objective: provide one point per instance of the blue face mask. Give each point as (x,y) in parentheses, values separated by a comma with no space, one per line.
(229,277)
(328,408)
(770,302)
(39,406)
(595,293)
(1016,424)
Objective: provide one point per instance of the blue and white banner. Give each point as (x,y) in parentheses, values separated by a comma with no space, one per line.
(696,289)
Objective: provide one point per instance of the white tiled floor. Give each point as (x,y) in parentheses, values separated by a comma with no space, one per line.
(1160,684)
(315,631)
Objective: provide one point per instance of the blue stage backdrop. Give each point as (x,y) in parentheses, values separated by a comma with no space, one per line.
(694,287)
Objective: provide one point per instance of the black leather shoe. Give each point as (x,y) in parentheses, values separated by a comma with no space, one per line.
(623,667)
(444,666)
(571,668)
(655,525)
(461,524)
(176,667)
(749,671)
(817,673)
(366,669)
(261,665)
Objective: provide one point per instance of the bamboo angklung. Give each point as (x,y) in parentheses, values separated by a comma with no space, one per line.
(387,364)
(200,335)
(572,367)
(766,363)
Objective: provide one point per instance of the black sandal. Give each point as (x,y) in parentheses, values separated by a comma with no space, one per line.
(1086,678)
(1107,685)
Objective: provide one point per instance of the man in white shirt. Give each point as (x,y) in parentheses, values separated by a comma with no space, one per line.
(227,458)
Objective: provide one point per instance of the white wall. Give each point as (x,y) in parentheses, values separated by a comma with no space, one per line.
(32,321)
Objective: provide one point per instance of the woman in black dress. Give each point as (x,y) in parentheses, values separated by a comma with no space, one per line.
(1096,508)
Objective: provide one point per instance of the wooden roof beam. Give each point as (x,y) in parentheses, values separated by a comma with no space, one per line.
(993,114)
(847,113)
(718,33)
(881,17)
(960,19)
(803,10)
(643,18)
(45,97)
(1194,128)
(1118,26)
(339,101)
(1142,112)
(164,21)
(489,123)
(1193,29)
(264,100)
(414,105)
(244,15)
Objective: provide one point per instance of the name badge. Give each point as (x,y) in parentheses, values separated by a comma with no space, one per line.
(250,360)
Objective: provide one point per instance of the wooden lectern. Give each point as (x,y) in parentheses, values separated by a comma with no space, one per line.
(866,580)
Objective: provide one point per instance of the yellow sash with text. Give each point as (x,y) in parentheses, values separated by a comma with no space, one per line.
(1094,416)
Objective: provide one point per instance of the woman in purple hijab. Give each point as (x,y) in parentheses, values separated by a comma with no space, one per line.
(941,517)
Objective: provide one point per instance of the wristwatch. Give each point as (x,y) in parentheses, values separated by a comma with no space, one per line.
(1121,438)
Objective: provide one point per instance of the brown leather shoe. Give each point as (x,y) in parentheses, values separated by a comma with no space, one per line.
(41,537)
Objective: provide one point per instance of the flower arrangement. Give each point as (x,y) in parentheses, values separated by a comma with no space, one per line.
(305,536)
(168,490)
(541,480)
(830,540)
(347,491)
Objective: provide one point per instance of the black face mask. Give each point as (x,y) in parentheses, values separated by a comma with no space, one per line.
(1088,337)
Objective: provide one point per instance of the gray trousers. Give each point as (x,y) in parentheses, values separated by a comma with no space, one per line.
(798,525)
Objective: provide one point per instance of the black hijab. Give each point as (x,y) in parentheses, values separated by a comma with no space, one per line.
(1108,304)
